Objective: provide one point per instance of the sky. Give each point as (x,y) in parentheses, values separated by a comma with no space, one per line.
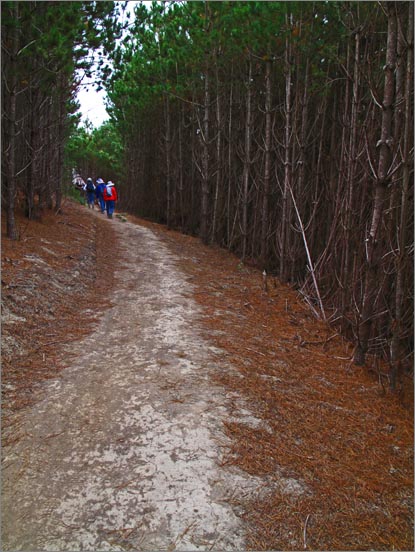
(92,106)
(92,103)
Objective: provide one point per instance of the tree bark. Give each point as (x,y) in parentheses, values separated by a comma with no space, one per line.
(205,163)
(230,165)
(218,159)
(350,175)
(397,328)
(283,269)
(12,231)
(181,169)
(267,168)
(247,161)
(168,159)
(61,144)
(373,240)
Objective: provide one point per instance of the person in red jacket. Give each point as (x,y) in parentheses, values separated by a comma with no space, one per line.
(110,197)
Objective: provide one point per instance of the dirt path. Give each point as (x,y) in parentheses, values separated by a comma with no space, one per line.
(122,451)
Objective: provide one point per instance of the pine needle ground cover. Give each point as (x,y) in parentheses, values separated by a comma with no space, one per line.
(55,281)
(340,444)
(328,427)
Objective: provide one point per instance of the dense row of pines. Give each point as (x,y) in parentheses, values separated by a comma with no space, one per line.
(47,50)
(282,131)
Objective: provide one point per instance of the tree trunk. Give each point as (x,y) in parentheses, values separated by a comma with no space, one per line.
(181,169)
(48,160)
(315,231)
(12,232)
(350,177)
(267,168)
(230,165)
(340,176)
(32,173)
(287,164)
(247,161)
(205,163)
(373,241)
(397,330)
(303,131)
(60,145)
(168,160)
(218,159)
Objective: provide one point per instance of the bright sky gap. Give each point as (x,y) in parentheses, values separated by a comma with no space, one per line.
(92,102)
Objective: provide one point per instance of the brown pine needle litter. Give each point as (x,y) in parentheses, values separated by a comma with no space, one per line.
(331,450)
(65,264)
(335,451)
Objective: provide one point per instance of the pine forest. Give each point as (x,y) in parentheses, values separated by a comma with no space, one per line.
(281,131)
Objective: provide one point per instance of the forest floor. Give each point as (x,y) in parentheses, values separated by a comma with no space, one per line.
(155,397)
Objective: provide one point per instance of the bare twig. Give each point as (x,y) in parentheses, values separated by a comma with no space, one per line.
(310,262)
(253,351)
(305,531)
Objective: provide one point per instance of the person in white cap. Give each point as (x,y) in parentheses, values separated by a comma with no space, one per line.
(110,196)
(99,192)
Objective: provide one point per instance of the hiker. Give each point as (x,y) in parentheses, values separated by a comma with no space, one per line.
(78,182)
(90,193)
(99,192)
(110,196)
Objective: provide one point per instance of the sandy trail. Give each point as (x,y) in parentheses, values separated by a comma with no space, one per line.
(121,452)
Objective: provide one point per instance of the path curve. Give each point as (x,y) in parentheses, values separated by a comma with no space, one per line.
(121,451)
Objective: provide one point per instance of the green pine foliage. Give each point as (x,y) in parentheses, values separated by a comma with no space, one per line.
(95,152)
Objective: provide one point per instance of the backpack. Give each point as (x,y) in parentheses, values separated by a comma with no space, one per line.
(109,191)
(90,186)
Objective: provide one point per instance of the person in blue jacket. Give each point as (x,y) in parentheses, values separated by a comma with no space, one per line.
(99,191)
